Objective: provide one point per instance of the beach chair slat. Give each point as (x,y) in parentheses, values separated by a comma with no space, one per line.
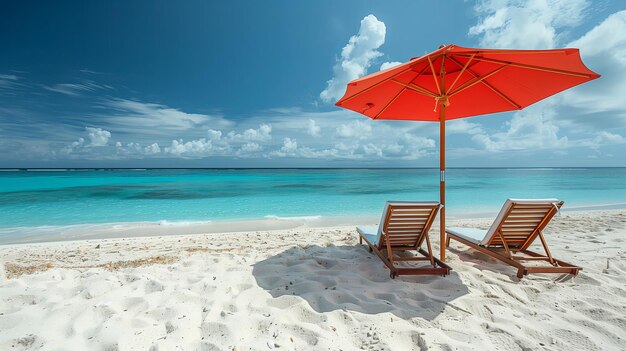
(533,206)
(517,225)
(534,212)
(404,229)
(526,233)
(523,217)
(510,224)
(408,219)
(529,229)
(411,213)
(411,237)
(405,243)
(415,226)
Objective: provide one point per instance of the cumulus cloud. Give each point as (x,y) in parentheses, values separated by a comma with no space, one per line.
(356,57)
(313,129)
(530,129)
(136,150)
(98,136)
(219,144)
(92,147)
(518,24)
(355,129)
(603,138)
(263,133)
(75,145)
(152,149)
(289,145)
(249,148)
(290,148)
(214,134)
(194,148)
(387,65)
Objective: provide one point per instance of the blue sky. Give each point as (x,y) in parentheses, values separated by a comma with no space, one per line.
(252,84)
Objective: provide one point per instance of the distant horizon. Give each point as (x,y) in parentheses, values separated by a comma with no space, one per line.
(294,168)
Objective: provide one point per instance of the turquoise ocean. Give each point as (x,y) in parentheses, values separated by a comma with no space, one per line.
(32,198)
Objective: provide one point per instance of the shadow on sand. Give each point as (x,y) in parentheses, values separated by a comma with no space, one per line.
(494,268)
(350,278)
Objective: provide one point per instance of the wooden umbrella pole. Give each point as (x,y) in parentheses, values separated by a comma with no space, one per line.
(443,103)
(442,179)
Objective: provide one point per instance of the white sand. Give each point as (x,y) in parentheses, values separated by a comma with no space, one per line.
(306,288)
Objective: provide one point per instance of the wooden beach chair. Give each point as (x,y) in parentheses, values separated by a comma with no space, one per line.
(404,227)
(518,224)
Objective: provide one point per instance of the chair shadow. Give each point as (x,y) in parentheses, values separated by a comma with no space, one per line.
(487,263)
(350,278)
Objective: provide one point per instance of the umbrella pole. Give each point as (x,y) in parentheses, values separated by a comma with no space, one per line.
(442,180)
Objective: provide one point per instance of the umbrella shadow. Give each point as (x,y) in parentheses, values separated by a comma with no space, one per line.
(350,278)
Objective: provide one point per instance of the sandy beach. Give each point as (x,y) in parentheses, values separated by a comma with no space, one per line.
(309,288)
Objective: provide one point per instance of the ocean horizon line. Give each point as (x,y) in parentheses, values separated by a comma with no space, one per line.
(23,169)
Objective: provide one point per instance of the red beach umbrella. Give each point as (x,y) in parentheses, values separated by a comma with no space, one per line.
(456,82)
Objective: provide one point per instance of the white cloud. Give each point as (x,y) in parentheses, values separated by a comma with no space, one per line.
(152,149)
(8,81)
(214,134)
(290,148)
(150,118)
(289,145)
(233,144)
(313,128)
(610,138)
(263,133)
(531,129)
(98,136)
(249,148)
(194,148)
(521,24)
(387,65)
(135,150)
(603,49)
(355,129)
(75,145)
(356,57)
(75,89)
(602,138)
(585,111)
(463,126)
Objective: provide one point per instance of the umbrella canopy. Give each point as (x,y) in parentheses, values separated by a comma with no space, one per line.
(456,82)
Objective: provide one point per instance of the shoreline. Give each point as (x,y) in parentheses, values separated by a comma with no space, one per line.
(93,231)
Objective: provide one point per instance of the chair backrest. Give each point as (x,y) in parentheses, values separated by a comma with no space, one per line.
(405,223)
(520,222)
